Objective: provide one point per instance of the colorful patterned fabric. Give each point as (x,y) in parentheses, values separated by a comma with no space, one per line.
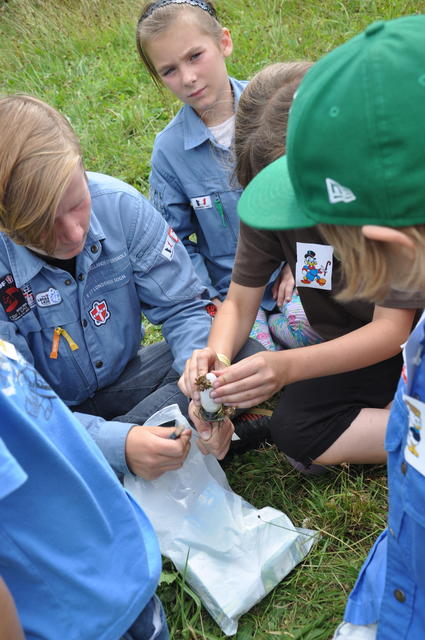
(285,330)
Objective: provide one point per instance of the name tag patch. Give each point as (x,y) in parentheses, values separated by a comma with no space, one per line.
(12,299)
(169,244)
(48,298)
(99,313)
(202,202)
(314,266)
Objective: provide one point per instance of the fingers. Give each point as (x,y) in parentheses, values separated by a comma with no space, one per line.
(248,382)
(219,442)
(150,452)
(284,286)
(198,364)
(202,427)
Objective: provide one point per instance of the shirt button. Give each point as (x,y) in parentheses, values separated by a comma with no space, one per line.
(68,282)
(404,467)
(81,276)
(84,323)
(399,595)
(93,248)
(391,531)
(99,364)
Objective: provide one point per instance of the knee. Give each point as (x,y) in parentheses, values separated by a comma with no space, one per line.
(286,438)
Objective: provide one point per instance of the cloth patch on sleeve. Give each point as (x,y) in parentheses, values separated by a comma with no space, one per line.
(169,244)
(12,299)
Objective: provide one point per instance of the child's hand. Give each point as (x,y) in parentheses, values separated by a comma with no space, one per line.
(283,287)
(150,452)
(214,437)
(200,363)
(250,381)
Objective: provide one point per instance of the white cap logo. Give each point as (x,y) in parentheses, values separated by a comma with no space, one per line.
(338,193)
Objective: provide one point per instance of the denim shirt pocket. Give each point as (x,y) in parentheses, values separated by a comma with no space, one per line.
(66,373)
(219,222)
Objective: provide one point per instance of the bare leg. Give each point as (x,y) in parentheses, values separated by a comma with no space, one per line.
(362,442)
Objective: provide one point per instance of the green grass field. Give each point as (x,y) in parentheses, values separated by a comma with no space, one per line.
(79,55)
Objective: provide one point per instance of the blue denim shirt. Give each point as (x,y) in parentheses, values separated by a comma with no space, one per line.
(190,168)
(394,571)
(131,263)
(62,509)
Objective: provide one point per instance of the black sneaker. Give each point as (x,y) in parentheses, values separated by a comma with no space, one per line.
(252,430)
(308,470)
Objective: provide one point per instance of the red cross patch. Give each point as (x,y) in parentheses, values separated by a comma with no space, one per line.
(99,312)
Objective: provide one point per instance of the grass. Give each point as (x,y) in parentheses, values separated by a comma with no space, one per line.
(79,55)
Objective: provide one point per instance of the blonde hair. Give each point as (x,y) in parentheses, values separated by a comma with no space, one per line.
(262,117)
(370,267)
(161,19)
(38,154)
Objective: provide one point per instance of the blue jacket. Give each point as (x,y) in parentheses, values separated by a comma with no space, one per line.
(390,588)
(131,263)
(71,539)
(193,186)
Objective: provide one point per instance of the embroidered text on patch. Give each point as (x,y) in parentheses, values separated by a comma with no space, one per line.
(338,193)
(48,298)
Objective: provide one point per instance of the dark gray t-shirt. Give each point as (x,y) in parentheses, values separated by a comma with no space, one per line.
(260,252)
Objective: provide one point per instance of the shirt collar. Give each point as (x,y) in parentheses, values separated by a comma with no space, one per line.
(195,131)
(25,265)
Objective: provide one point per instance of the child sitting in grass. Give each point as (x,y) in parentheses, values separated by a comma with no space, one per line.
(355,166)
(184,48)
(333,404)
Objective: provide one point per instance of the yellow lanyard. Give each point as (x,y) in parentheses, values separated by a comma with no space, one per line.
(57,333)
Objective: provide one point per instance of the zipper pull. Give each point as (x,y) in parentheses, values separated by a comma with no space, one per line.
(70,341)
(55,343)
(57,333)
(219,207)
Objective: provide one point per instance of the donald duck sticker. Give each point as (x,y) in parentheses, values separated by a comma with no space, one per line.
(314,266)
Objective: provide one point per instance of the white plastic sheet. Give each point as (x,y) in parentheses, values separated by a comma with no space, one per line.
(232,553)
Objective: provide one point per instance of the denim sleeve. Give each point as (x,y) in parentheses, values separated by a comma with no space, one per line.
(173,205)
(168,288)
(110,437)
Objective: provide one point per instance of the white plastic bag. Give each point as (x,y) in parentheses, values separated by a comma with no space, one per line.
(232,553)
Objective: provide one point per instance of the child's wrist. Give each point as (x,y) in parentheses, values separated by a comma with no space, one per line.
(221,357)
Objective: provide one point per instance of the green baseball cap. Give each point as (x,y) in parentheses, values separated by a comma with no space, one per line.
(355,151)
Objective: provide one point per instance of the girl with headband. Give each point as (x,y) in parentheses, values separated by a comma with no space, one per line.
(184,47)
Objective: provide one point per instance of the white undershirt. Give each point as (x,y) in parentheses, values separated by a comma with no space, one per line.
(223,132)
